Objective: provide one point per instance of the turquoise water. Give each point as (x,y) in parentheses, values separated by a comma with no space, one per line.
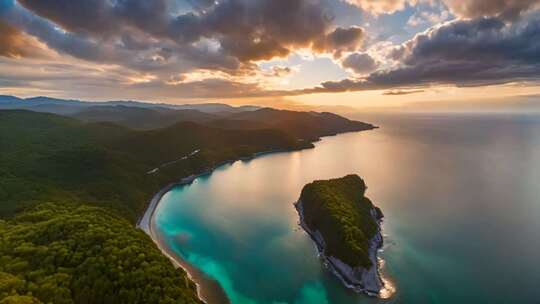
(461,195)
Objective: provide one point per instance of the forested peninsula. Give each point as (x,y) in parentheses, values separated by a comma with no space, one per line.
(71,192)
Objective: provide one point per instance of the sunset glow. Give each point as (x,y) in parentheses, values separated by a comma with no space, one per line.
(360,54)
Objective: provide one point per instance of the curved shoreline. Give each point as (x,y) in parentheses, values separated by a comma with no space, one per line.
(203,283)
(208,290)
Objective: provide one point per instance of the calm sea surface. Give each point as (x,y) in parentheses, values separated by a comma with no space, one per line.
(461,195)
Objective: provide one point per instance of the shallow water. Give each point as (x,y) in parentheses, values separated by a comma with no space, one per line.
(461,196)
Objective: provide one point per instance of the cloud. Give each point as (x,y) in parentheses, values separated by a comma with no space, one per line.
(485,40)
(360,63)
(252,31)
(341,40)
(475,52)
(380,6)
(220,45)
(505,9)
(278,71)
(73,79)
(13,43)
(429,18)
(206,88)
(63,42)
(246,30)
(45,76)
(100,17)
(401,92)
(129,49)
(517,103)
(229,36)
(265,29)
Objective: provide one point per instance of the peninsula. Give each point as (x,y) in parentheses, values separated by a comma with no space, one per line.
(73,188)
(345,226)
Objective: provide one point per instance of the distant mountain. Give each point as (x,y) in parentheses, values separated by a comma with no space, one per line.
(142,118)
(42,104)
(64,106)
(216,108)
(301,125)
(305,125)
(6,99)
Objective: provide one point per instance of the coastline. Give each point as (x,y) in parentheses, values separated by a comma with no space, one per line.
(206,295)
(145,223)
(208,290)
(372,282)
(203,284)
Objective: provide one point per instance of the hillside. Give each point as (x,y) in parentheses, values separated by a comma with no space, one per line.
(308,126)
(301,125)
(108,163)
(69,204)
(67,253)
(305,125)
(71,192)
(141,118)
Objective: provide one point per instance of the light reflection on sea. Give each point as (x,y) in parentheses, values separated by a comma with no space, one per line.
(460,196)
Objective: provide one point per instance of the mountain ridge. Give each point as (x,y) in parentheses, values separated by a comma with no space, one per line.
(14,102)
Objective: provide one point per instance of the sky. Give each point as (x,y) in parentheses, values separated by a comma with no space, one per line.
(332,54)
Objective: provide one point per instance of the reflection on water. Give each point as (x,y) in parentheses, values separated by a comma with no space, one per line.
(461,202)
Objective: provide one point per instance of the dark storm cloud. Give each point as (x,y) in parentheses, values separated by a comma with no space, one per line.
(257,30)
(482,49)
(69,43)
(247,30)
(74,16)
(474,52)
(129,49)
(101,17)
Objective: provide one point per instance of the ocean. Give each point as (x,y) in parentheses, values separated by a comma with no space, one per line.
(460,194)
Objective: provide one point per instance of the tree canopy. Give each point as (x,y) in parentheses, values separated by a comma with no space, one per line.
(338,209)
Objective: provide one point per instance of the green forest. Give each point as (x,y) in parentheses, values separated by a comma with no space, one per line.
(64,252)
(71,193)
(339,210)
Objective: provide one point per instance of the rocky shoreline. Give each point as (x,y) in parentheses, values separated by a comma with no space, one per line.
(358,279)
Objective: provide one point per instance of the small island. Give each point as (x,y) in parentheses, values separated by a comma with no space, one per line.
(345,226)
